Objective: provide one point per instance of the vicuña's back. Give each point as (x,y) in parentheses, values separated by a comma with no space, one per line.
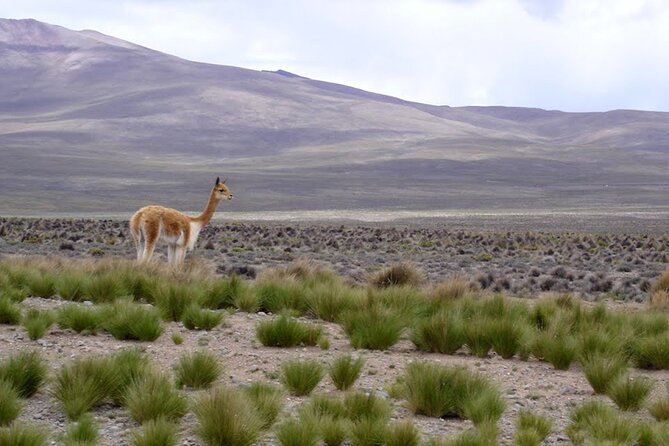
(153,223)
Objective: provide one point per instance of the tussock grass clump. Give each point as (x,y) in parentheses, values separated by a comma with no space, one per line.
(37,322)
(25,370)
(285,331)
(478,336)
(84,383)
(629,393)
(443,332)
(557,347)
(225,293)
(329,301)
(440,391)
(172,299)
(70,285)
(128,365)
(531,429)
(41,284)
(597,423)
(82,319)
(10,312)
(361,405)
(103,288)
(506,337)
(662,282)
(10,404)
(196,318)
(159,432)
(369,432)
(373,328)
(398,274)
(81,433)
(323,406)
(198,370)
(659,408)
(333,431)
(177,338)
(659,300)
(267,400)
(301,377)
(402,433)
(293,432)
(152,396)
(226,417)
(279,295)
(130,321)
(453,287)
(651,352)
(345,370)
(482,436)
(602,368)
(21,434)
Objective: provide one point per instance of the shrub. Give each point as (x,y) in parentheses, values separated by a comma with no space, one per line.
(226,417)
(152,396)
(442,332)
(402,433)
(401,274)
(196,318)
(26,371)
(601,368)
(37,322)
(301,377)
(373,328)
(294,432)
(79,318)
(82,433)
(10,312)
(345,370)
(83,384)
(267,400)
(20,434)
(10,405)
(629,393)
(198,370)
(287,332)
(128,320)
(159,432)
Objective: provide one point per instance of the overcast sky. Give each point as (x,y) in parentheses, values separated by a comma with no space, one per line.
(573,55)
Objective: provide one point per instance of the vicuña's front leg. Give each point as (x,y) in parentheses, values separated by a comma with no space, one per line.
(180,255)
(171,257)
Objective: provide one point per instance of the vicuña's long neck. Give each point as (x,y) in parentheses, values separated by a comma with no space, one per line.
(209,209)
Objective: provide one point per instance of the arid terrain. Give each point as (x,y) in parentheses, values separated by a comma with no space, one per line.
(616,267)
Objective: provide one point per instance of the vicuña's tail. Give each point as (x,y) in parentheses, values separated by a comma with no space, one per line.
(136,233)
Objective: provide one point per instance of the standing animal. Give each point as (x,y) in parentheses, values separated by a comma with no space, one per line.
(179,230)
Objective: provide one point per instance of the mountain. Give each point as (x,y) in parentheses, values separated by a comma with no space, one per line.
(91,123)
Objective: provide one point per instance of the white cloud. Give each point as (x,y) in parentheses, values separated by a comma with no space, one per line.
(559,54)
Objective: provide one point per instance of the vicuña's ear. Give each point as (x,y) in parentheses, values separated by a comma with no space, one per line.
(224,180)
(218,180)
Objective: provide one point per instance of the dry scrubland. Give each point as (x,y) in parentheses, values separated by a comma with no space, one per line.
(94,350)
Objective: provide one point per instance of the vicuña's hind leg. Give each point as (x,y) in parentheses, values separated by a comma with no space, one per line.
(151,233)
(171,254)
(136,234)
(179,256)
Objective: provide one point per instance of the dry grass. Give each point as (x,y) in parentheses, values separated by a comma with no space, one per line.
(453,287)
(403,273)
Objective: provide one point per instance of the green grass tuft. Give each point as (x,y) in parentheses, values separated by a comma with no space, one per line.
(82,433)
(197,370)
(373,328)
(10,404)
(196,318)
(10,312)
(285,331)
(25,370)
(267,400)
(152,396)
(293,432)
(37,322)
(301,377)
(629,393)
(345,370)
(131,321)
(82,319)
(21,434)
(159,432)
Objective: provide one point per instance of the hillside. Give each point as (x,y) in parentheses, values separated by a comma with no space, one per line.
(91,123)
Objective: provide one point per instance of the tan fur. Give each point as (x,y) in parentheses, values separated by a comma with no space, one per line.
(179,230)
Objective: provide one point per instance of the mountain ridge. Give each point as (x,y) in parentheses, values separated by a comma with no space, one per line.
(108,124)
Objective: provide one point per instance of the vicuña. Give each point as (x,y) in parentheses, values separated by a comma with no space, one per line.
(180,231)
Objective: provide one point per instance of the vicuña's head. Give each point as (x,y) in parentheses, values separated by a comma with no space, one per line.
(221,190)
